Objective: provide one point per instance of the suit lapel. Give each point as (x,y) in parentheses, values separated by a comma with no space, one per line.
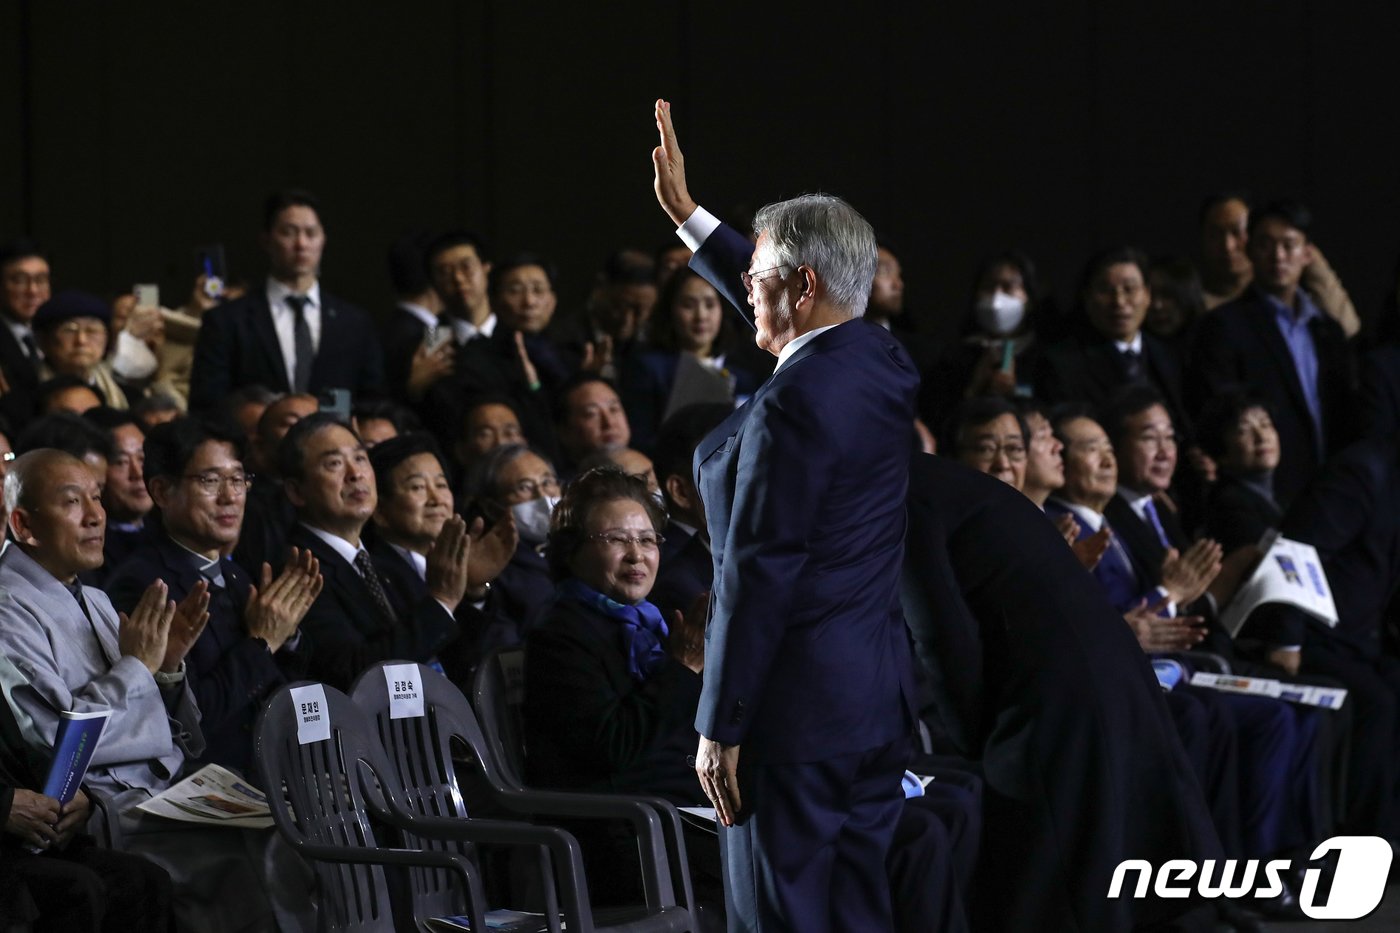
(1261,318)
(328,351)
(266,335)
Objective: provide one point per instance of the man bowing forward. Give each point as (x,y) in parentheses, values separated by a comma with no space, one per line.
(807,664)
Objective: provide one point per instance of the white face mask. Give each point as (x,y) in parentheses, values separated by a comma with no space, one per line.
(532,518)
(999,314)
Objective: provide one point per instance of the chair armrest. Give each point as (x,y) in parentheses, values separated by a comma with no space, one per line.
(111,822)
(642,813)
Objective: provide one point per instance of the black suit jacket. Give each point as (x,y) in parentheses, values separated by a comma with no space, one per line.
(1239,344)
(590,725)
(1237,515)
(1087,367)
(349,630)
(1380,392)
(22,374)
(1043,681)
(237,346)
(230,672)
(1351,514)
(403,335)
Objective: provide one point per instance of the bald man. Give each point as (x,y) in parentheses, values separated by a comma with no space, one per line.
(66,649)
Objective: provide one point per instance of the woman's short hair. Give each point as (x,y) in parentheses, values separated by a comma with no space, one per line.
(1222,414)
(598,486)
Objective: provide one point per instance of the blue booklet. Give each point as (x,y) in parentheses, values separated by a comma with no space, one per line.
(78,734)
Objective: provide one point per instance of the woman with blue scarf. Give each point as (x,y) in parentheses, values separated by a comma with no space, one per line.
(610,688)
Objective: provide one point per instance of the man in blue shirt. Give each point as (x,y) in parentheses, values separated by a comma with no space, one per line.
(1274,339)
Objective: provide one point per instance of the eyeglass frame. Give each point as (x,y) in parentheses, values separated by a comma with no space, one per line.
(997,447)
(202,483)
(749,278)
(619,541)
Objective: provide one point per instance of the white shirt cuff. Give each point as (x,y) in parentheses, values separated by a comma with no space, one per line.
(697,228)
(1171,606)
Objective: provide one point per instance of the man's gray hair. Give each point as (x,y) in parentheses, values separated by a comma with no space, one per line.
(824,232)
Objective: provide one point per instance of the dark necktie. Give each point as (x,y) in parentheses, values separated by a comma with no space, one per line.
(1149,508)
(31,349)
(1132,365)
(376,589)
(301,343)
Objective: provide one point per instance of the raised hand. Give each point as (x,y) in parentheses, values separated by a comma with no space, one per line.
(143,634)
(1067,527)
(275,609)
(1156,632)
(191,615)
(428,366)
(491,550)
(532,376)
(447,563)
(687,641)
(1091,550)
(1186,576)
(669,165)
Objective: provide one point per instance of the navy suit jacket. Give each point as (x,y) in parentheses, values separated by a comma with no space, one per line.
(230,672)
(806,651)
(237,346)
(351,632)
(1239,344)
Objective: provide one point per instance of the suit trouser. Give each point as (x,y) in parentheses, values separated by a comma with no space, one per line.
(807,853)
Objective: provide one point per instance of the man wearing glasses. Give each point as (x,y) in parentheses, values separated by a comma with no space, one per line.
(807,663)
(991,438)
(252,643)
(24,278)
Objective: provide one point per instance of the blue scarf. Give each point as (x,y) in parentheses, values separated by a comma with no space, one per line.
(642,626)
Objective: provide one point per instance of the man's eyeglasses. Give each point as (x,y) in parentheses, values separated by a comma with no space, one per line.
(751,277)
(617,541)
(209,484)
(987,451)
(534,488)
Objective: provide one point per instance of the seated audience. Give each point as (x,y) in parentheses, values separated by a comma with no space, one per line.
(632,462)
(1110,348)
(617,314)
(244,408)
(71,328)
(686,569)
(1176,301)
(1227,268)
(25,277)
(252,644)
(688,360)
(124,494)
(514,483)
(74,436)
(1237,432)
(990,436)
(488,422)
(156,408)
(379,420)
(415,504)
(413,359)
(66,649)
(591,418)
(1275,340)
(523,297)
(66,394)
(268,516)
(353,623)
(997,350)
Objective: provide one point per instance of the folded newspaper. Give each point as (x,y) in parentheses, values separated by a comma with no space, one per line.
(213,796)
(1303,694)
(1290,573)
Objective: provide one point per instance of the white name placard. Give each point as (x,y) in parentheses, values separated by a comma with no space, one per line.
(313,714)
(405,691)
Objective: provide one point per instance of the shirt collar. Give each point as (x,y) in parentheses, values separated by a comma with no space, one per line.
(1086,516)
(1132,346)
(336,543)
(428,318)
(1137,501)
(1307,311)
(797,343)
(207,568)
(277,293)
(419,562)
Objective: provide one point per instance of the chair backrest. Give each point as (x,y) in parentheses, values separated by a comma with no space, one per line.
(498,693)
(323,793)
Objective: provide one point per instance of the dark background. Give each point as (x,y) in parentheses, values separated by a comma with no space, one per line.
(134,132)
